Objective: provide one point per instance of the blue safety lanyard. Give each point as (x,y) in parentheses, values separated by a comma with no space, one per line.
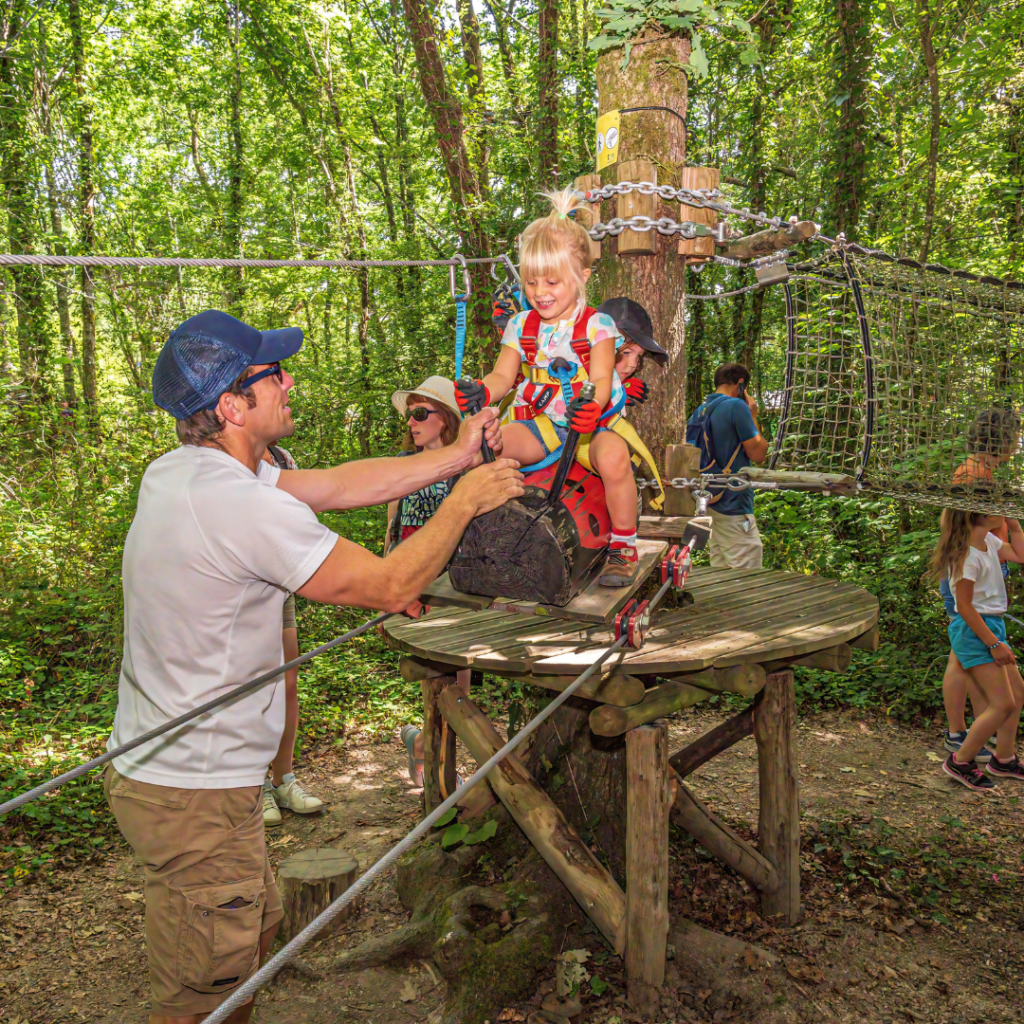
(460,333)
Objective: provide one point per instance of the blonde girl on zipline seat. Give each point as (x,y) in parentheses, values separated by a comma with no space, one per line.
(968,553)
(557,346)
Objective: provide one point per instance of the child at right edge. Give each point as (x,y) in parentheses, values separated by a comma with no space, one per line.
(969,554)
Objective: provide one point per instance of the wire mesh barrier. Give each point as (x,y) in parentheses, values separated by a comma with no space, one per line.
(909,377)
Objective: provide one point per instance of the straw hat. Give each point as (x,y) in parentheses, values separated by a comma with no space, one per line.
(437,389)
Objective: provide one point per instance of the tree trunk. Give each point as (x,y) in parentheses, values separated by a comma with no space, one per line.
(363,277)
(852,57)
(657,281)
(476,86)
(926,26)
(547,95)
(18,172)
(87,199)
(234,290)
(1014,201)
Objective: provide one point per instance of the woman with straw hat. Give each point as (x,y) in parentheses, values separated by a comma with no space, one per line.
(432,416)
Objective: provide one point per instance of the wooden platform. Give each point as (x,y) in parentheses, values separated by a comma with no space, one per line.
(662,527)
(594,604)
(741,635)
(738,616)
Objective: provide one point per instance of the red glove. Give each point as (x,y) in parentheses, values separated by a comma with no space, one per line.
(471,392)
(636,391)
(583,416)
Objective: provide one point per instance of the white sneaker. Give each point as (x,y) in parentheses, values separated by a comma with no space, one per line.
(292,796)
(271,815)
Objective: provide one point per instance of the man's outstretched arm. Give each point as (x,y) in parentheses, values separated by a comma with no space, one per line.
(351,575)
(366,482)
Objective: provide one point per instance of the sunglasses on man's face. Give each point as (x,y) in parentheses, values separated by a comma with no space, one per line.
(273,370)
(419,413)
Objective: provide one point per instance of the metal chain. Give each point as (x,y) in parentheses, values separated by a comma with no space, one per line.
(700,483)
(663,225)
(702,198)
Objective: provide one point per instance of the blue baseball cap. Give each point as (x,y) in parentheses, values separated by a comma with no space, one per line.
(206,354)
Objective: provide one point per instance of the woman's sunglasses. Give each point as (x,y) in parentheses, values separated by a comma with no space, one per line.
(419,413)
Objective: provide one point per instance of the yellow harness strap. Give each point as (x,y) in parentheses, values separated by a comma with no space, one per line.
(627,432)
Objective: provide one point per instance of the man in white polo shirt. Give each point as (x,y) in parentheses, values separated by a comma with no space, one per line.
(219,539)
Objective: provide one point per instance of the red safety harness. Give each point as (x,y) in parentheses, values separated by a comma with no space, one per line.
(539,396)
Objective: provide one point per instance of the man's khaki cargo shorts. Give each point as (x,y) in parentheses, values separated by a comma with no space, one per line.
(210,892)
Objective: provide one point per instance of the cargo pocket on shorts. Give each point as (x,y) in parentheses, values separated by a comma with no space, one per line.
(219,937)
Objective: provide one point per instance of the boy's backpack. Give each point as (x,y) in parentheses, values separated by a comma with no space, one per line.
(699,434)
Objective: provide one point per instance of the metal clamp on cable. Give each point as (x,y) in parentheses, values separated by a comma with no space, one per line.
(467,285)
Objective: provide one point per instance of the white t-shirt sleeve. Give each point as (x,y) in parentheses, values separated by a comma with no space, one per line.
(266,534)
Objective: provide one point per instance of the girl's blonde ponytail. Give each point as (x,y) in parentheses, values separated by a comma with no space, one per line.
(557,245)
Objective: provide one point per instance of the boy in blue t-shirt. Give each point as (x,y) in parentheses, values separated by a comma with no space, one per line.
(726,422)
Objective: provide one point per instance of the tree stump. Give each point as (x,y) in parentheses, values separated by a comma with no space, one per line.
(309,881)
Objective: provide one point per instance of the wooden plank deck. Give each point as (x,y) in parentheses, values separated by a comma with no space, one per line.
(738,616)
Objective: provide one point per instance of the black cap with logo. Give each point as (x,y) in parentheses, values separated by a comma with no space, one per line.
(632,320)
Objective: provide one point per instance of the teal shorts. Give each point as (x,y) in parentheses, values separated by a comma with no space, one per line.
(967,646)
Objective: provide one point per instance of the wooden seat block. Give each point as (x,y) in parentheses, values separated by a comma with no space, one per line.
(311,880)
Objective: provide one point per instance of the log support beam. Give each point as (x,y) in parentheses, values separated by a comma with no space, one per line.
(746,680)
(832,659)
(723,736)
(438,744)
(779,818)
(764,242)
(658,702)
(714,835)
(647,811)
(589,881)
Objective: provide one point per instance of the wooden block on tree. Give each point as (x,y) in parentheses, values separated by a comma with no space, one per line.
(778,826)
(309,882)
(633,204)
(647,810)
(681,460)
(698,250)
(658,702)
(591,214)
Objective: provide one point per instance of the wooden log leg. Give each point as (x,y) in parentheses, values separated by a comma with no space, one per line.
(647,809)
(446,771)
(779,818)
(432,744)
(310,881)
(589,881)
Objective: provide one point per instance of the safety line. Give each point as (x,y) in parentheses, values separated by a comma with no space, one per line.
(291,950)
(46,260)
(239,691)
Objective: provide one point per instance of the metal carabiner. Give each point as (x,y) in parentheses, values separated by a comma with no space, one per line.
(461,260)
(511,274)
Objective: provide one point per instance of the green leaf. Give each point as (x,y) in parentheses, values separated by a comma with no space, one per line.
(698,56)
(448,815)
(628,49)
(455,834)
(481,835)
(597,986)
(603,43)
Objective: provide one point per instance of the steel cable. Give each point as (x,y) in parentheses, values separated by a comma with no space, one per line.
(293,948)
(238,691)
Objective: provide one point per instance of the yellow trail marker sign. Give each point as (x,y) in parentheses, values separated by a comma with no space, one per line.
(608,139)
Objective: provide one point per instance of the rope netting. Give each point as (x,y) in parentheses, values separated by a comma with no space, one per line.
(909,377)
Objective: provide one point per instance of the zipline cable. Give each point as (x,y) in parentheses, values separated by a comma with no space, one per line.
(239,691)
(46,260)
(293,948)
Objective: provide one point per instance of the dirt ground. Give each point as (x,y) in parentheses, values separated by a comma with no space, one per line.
(914,909)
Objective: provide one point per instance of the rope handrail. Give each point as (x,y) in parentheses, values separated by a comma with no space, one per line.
(288,953)
(238,691)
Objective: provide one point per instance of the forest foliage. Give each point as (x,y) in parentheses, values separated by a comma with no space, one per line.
(396,130)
